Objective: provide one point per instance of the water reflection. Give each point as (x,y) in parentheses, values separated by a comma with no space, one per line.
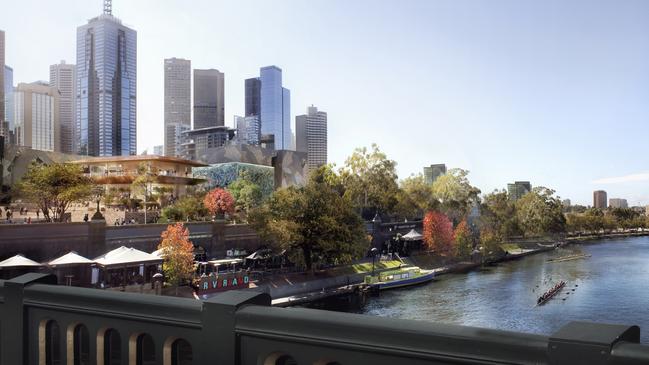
(610,286)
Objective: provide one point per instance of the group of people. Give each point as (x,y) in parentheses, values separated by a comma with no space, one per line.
(9,214)
(548,294)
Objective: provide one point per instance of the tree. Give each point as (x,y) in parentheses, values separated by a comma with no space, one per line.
(370,181)
(490,242)
(313,223)
(178,254)
(414,198)
(463,240)
(53,187)
(247,195)
(438,232)
(539,212)
(455,194)
(143,183)
(499,214)
(189,207)
(219,202)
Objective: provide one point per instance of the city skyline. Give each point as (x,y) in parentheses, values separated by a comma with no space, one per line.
(463,77)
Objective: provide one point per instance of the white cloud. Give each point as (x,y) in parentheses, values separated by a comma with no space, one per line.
(623,179)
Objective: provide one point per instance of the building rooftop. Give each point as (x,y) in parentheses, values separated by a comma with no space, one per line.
(94,160)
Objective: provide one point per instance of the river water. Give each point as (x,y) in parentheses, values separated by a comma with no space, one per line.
(612,286)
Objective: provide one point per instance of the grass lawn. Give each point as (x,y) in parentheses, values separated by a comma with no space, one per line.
(510,247)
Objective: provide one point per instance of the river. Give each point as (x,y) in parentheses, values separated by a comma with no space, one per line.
(612,286)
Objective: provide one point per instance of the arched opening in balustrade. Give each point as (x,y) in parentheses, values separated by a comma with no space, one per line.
(78,344)
(279,358)
(49,343)
(141,349)
(177,351)
(112,348)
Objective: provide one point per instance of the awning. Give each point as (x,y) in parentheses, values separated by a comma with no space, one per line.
(157,253)
(70,258)
(18,261)
(123,256)
(412,236)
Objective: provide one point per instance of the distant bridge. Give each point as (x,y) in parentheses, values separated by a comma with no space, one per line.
(41,323)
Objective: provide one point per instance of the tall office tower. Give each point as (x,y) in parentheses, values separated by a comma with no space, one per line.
(311,136)
(209,100)
(274,106)
(178,102)
(253,96)
(9,99)
(248,129)
(158,150)
(106,122)
(599,199)
(518,189)
(62,78)
(37,116)
(4,127)
(432,172)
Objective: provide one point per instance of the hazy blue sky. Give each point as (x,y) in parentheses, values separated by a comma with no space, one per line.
(555,92)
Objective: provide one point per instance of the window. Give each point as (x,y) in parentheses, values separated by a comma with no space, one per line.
(52,343)
(112,348)
(145,354)
(181,353)
(81,345)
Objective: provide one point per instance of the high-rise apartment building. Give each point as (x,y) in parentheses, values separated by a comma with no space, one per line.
(37,116)
(266,98)
(248,129)
(618,203)
(518,189)
(178,103)
(62,77)
(432,172)
(209,99)
(311,136)
(158,150)
(599,199)
(106,100)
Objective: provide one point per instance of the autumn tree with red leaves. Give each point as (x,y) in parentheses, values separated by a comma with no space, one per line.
(438,233)
(463,240)
(219,201)
(178,254)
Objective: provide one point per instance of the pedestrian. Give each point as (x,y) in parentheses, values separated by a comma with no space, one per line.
(29,220)
(85,217)
(38,214)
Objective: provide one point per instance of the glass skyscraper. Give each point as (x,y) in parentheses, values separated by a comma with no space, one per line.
(106,88)
(8,96)
(209,99)
(266,98)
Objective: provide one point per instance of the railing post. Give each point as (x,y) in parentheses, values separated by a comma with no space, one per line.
(14,335)
(219,344)
(588,343)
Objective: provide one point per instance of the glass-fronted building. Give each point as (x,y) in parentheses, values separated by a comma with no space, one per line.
(275,107)
(8,96)
(62,78)
(37,117)
(209,98)
(178,105)
(106,97)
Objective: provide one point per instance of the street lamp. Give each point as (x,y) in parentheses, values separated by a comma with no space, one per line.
(373,252)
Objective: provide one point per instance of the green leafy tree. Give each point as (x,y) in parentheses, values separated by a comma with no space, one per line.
(455,194)
(247,195)
(490,242)
(143,183)
(313,223)
(370,181)
(499,214)
(53,187)
(539,212)
(414,198)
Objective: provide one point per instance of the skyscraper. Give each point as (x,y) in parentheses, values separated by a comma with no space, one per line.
(248,129)
(106,87)
(618,203)
(599,199)
(178,103)
(9,99)
(432,172)
(311,136)
(266,98)
(209,99)
(62,78)
(37,116)
(518,189)
(4,130)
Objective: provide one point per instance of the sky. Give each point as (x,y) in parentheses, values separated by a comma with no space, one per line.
(555,92)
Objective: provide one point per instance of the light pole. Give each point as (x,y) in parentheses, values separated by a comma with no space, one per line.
(373,252)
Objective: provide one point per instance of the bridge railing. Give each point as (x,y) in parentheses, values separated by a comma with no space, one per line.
(41,323)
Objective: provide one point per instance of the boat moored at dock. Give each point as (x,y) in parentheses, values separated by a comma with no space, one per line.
(404,276)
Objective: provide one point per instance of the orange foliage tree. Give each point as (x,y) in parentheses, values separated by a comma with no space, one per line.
(463,241)
(438,232)
(219,201)
(178,254)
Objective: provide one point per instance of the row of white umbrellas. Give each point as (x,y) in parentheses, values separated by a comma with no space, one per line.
(119,256)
